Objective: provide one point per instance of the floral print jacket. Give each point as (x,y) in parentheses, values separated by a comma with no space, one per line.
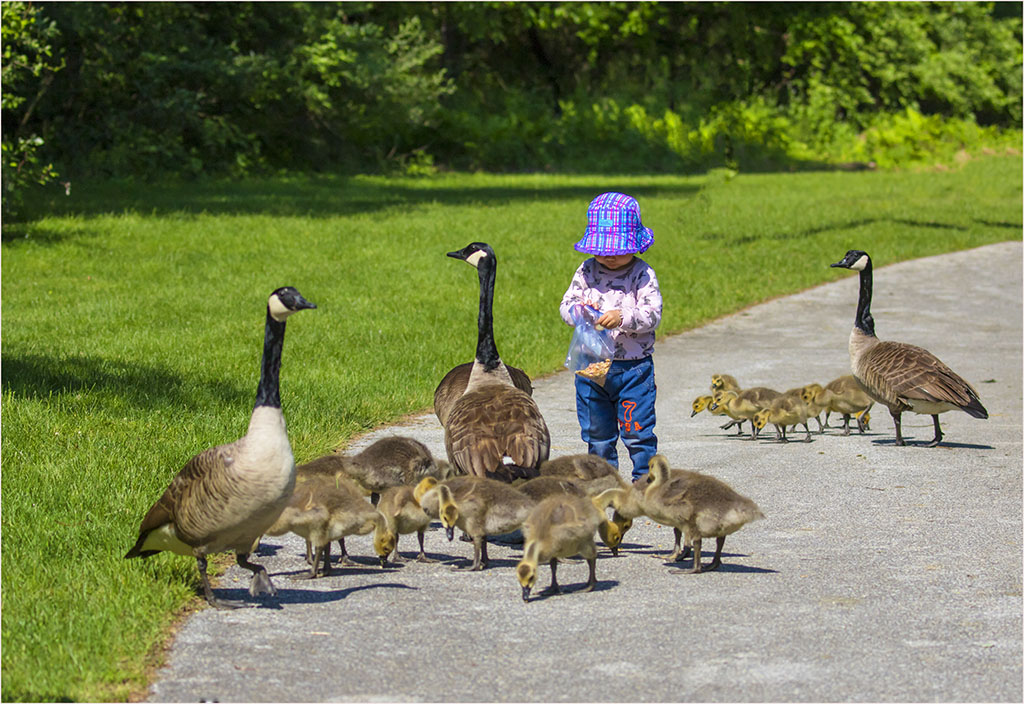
(632,290)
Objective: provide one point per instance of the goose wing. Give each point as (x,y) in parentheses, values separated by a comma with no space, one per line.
(454,384)
(897,373)
(186,491)
(492,423)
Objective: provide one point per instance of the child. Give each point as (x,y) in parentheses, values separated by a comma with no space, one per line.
(625,291)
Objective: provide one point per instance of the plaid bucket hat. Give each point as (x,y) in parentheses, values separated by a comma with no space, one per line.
(614,227)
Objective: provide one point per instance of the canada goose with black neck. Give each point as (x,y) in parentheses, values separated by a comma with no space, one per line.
(225,497)
(493,429)
(900,376)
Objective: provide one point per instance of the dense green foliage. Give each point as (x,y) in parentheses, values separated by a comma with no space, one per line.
(149,89)
(133,324)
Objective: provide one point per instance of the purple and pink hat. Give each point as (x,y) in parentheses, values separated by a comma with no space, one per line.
(614,227)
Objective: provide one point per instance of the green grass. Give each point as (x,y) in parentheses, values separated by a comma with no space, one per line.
(133,324)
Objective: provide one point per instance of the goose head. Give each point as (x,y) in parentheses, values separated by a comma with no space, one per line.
(479,254)
(721,381)
(285,301)
(721,398)
(384,543)
(611,534)
(700,403)
(425,485)
(855,259)
(526,570)
(760,418)
(810,392)
(447,511)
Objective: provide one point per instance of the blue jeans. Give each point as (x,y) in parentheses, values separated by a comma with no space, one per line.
(624,406)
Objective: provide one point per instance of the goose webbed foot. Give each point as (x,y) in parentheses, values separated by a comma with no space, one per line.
(208,594)
(422,557)
(260,584)
(938,433)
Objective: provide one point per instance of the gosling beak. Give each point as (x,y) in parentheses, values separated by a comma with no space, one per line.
(693,414)
(526,594)
(615,551)
(450,533)
(383,561)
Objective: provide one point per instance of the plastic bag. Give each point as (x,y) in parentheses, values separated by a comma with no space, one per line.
(592,348)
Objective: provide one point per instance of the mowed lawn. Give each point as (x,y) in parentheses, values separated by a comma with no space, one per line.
(133,326)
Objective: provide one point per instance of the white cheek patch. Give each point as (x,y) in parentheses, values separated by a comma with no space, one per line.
(475,257)
(861,263)
(278,311)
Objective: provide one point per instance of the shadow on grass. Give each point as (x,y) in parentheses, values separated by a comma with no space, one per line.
(314,196)
(37,376)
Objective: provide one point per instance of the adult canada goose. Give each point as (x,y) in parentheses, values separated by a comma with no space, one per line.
(478,506)
(225,497)
(404,515)
(697,505)
(320,511)
(787,409)
(900,376)
(454,385)
(561,526)
(493,429)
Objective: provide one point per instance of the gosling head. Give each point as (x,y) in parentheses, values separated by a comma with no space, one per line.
(720,398)
(760,418)
(611,535)
(526,570)
(447,511)
(285,301)
(384,543)
(423,487)
(809,392)
(700,403)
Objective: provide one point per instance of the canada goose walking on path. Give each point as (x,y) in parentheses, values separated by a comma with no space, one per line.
(493,430)
(900,376)
(225,497)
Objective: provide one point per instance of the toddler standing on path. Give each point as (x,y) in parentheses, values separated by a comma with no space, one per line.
(624,289)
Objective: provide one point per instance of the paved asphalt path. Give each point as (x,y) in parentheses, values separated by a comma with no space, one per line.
(880,573)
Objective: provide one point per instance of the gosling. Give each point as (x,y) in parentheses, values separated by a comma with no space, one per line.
(320,512)
(561,526)
(404,515)
(698,505)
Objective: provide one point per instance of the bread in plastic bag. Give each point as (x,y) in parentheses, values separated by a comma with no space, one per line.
(592,348)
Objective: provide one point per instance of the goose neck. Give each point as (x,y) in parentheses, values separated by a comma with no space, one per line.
(268,391)
(486,349)
(864,321)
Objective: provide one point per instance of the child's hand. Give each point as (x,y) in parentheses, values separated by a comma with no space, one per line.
(611,319)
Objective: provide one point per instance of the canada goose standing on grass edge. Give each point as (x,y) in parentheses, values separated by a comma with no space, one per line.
(493,430)
(225,497)
(901,376)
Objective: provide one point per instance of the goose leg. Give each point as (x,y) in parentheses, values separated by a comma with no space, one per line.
(325,558)
(938,432)
(826,420)
(780,433)
(899,432)
(716,562)
(592,578)
(479,555)
(344,560)
(208,591)
(821,427)
(846,424)
(553,588)
(422,557)
(261,583)
(696,556)
(397,556)
(808,429)
(676,549)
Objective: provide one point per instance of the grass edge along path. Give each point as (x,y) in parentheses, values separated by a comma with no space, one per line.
(116,370)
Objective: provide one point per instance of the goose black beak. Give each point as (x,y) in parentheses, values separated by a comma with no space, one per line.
(840,265)
(693,414)
(526,594)
(615,551)
(383,561)
(450,533)
(456,255)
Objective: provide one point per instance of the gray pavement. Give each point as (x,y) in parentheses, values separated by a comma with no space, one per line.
(880,573)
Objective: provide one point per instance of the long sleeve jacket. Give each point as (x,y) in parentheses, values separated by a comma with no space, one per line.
(632,290)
